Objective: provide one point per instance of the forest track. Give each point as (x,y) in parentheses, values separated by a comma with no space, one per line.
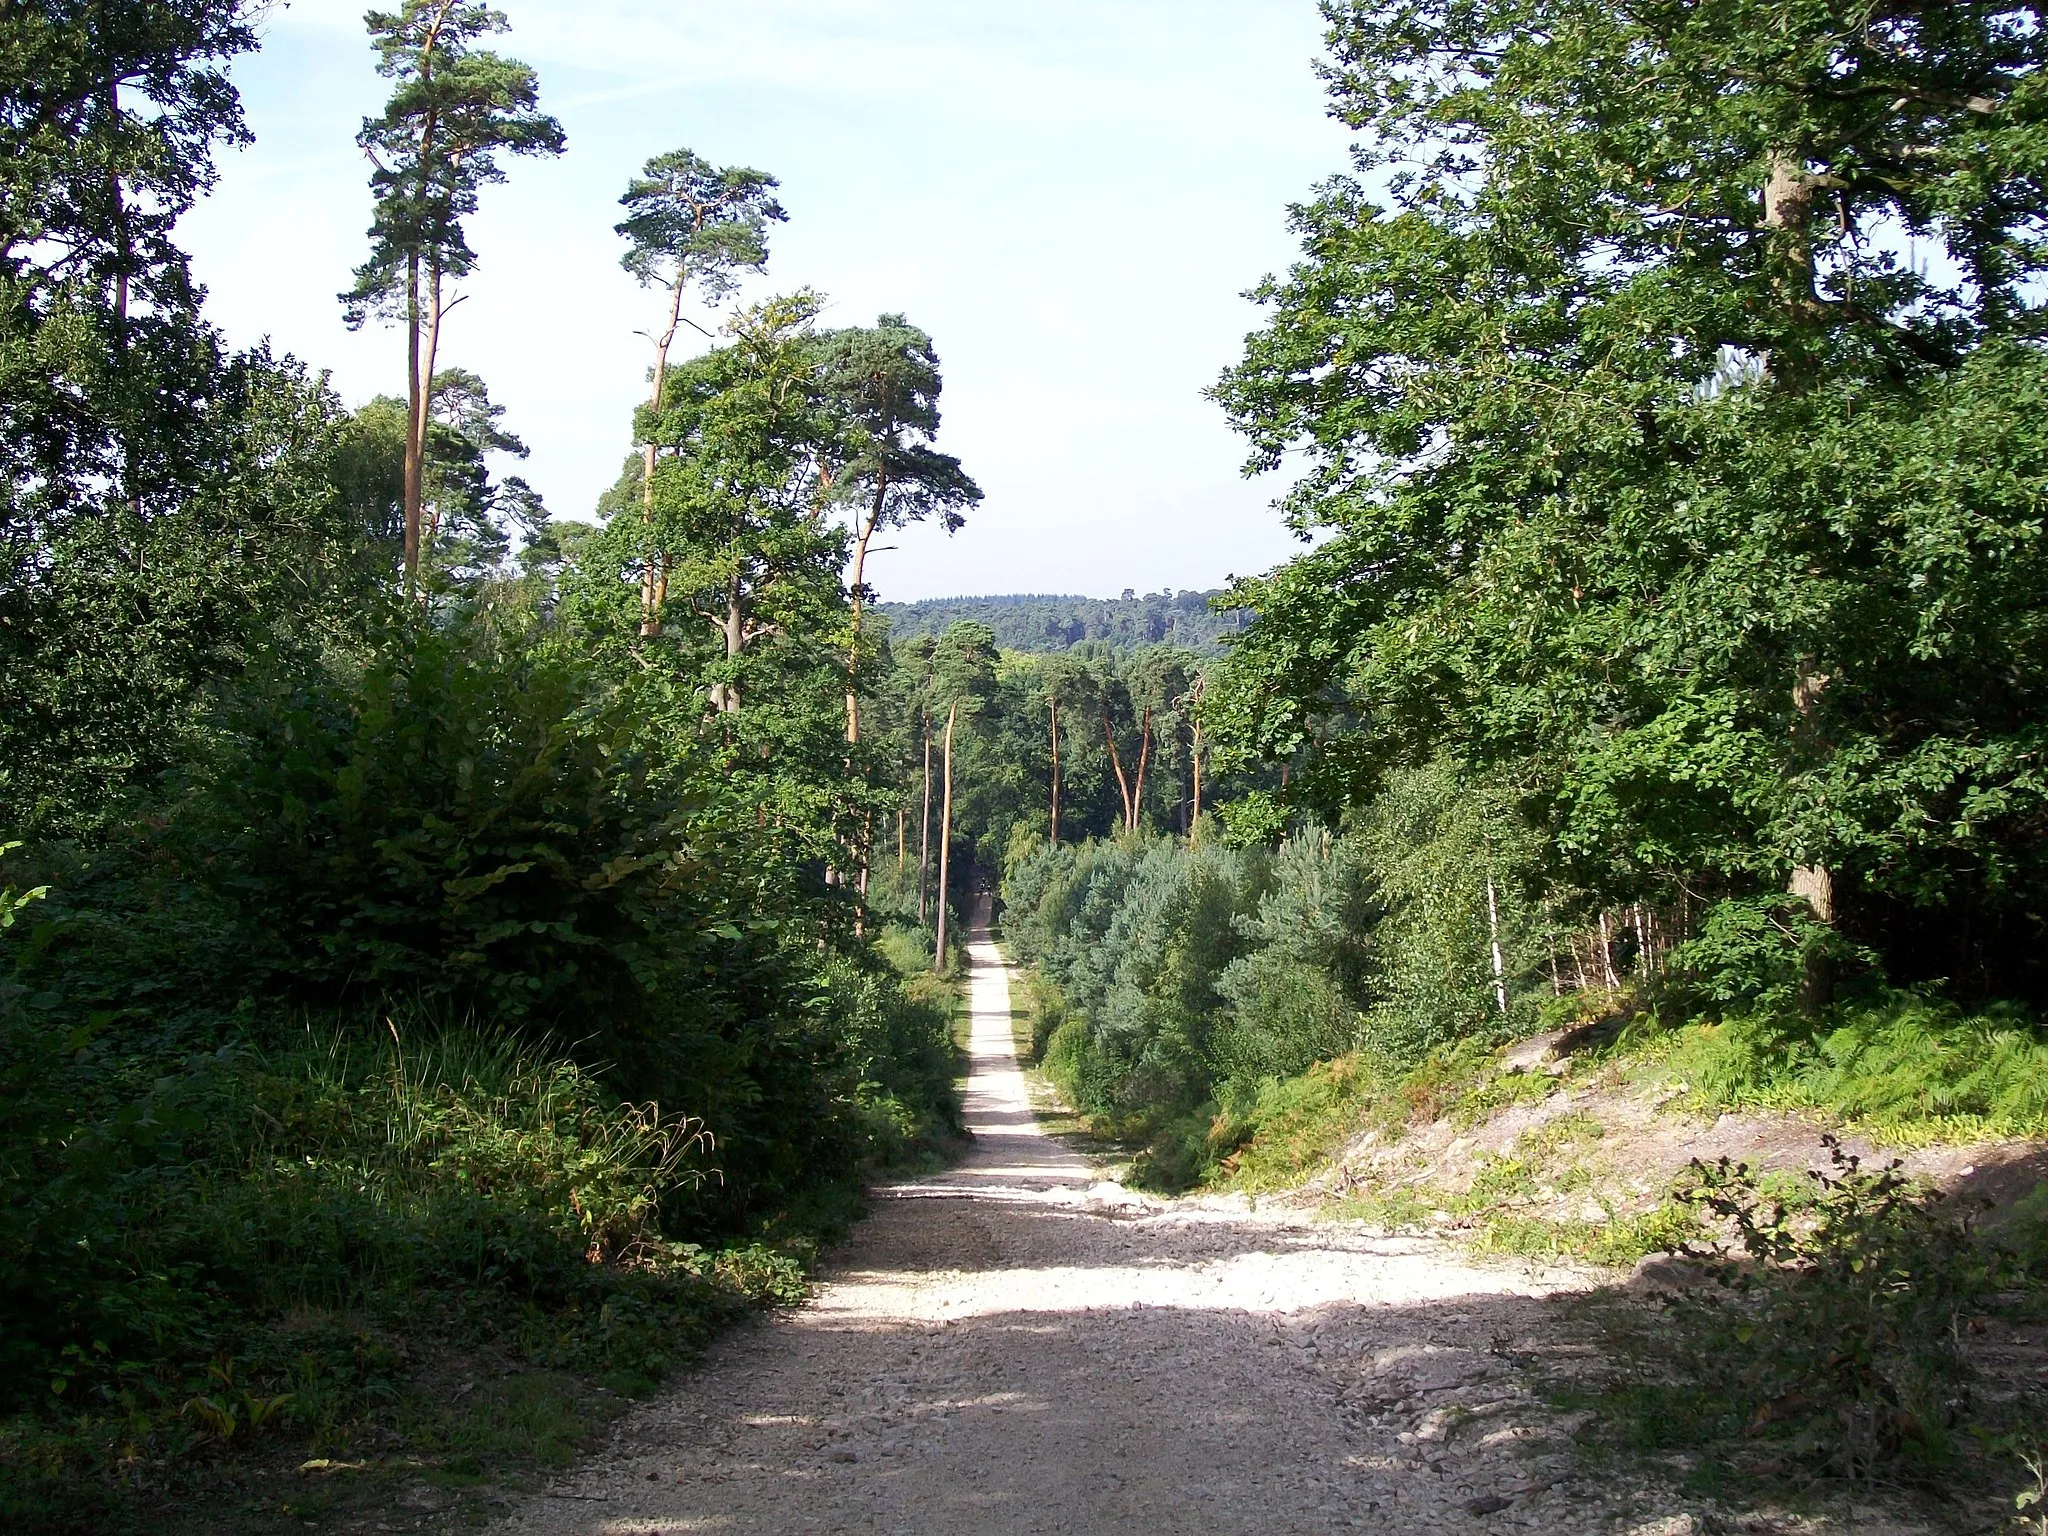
(1016,1346)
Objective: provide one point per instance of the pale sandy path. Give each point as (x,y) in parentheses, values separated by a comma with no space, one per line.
(1006,1349)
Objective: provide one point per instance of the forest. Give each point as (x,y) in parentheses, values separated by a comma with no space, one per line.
(1035,622)
(433,927)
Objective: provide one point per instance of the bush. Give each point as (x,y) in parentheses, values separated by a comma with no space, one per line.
(1836,1331)
(162,1224)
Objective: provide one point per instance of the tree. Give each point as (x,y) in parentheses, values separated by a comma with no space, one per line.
(734,496)
(688,221)
(166,512)
(454,111)
(1618,402)
(470,518)
(884,385)
(109,118)
(963,680)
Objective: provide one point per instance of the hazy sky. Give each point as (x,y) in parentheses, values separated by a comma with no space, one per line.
(1070,195)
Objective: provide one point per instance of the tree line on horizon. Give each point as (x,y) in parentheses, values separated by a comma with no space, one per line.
(1037,623)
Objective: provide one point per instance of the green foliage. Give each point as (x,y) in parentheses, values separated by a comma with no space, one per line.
(688,221)
(1903,1069)
(1655,478)
(1834,1338)
(251,554)
(1040,624)
(454,110)
(1186,974)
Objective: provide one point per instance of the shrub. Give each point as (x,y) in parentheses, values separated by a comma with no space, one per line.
(1836,1333)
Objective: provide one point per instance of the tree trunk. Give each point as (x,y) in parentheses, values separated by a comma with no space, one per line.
(1195,817)
(726,695)
(860,559)
(1054,704)
(654,577)
(415,408)
(860,907)
(422,541)
(924,835)
(902,816)
(1813,883)
(1500,975)
(1144,757)
(1607,957)
(1123,786)
(945,842)
(1788,214)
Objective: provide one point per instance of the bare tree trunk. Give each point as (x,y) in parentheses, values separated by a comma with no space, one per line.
(1195,819)
(924,836)
(1054,703)
(1607,957)
(1788,205)
(902,815)
(1642,943)
(1144,757)
(1813,883)
(945,842)
(1500,982)
(860,559)
(1556,981)
(421,540)
(650,577)
(726,695)
(415,411)
(1123,786)
(654,578)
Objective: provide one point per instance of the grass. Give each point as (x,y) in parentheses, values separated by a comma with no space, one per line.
(436,1258)
(427,1255)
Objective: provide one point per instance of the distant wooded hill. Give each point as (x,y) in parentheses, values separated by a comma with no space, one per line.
(1037,621)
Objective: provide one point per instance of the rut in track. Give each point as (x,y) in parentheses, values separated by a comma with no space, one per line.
(1014,1347)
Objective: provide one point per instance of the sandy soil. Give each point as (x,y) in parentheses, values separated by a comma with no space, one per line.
(1016,1346)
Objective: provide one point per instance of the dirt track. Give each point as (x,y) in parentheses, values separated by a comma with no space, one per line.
(1013,1347)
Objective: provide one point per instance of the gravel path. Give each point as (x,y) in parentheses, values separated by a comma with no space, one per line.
(1017,1347)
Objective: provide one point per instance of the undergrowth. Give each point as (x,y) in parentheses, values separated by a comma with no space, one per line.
(278,1243)
(1830,1338)
(1904,1071)
(414,1246)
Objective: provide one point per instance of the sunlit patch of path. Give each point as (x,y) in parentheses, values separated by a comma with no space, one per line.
(1019,1346)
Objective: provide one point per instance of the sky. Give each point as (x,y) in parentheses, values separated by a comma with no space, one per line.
(1071,196)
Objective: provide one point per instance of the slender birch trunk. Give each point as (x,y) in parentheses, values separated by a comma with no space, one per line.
(1500,983)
